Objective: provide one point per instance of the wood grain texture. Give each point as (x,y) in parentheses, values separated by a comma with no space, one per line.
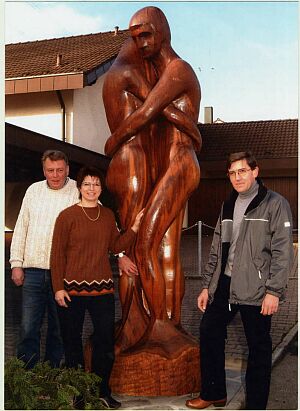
(148,373)
(157,376)
(152,100)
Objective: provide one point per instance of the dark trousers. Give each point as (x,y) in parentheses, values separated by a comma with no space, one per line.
(213,332)
(102,312)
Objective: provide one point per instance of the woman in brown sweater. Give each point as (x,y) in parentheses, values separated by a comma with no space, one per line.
(82,279)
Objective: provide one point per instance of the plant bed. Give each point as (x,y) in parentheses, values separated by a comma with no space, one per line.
(46,388)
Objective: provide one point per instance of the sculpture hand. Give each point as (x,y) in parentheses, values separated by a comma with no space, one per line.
(109,148)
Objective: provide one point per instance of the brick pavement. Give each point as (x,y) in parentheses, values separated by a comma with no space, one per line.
(236,349)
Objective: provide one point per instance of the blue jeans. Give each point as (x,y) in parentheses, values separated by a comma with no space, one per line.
(37,296)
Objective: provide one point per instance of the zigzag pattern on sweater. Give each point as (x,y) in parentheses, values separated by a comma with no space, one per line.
(89,287)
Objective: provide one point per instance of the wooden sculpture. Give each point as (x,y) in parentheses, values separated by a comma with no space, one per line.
(152,99)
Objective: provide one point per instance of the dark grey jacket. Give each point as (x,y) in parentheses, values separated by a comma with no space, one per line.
(264,251)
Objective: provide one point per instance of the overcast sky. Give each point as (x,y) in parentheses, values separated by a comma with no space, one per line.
(245,54)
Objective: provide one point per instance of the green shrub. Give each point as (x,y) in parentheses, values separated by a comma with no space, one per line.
(46,388)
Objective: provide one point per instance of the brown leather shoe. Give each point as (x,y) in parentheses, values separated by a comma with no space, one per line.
(199,404)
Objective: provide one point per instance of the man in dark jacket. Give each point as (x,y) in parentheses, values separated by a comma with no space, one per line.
(249,262)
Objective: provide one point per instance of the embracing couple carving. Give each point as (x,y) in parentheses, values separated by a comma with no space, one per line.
(152,100)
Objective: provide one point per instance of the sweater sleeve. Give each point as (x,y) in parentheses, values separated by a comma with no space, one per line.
(18,242)
(120,242)
(58,259)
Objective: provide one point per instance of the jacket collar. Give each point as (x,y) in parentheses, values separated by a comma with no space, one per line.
(262,192)
(228,207)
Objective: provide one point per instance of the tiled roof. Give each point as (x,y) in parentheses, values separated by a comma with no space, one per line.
(79,54)
(266,139)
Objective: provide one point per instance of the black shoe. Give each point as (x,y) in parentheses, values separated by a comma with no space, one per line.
(79,402)
(110,403)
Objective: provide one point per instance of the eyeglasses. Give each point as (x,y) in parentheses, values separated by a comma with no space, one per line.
(86,185)
(242,172)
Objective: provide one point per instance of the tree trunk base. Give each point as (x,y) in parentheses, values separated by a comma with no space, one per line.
(149,374)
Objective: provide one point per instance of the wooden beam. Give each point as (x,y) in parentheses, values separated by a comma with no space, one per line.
(44,83)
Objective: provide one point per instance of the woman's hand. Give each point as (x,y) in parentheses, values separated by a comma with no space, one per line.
(60,298)
(137,221)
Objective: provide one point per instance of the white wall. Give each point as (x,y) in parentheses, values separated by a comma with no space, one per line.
(90,128)
(40,112)
(86,124)
(47,124)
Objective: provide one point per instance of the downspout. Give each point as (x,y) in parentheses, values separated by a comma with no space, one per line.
(63,112)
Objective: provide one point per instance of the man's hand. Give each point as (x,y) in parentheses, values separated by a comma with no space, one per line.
(269,305)
(60,298)
(17,275)
(203,299)
(128,266)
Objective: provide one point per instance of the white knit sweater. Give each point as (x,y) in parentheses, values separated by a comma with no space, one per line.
(32,237)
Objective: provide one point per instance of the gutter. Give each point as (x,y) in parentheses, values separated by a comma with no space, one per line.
(63,112)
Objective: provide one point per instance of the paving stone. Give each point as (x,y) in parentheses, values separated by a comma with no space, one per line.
(236,349)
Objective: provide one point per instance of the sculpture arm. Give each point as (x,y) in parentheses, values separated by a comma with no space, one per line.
(171,85)
(185,124)
(141,88)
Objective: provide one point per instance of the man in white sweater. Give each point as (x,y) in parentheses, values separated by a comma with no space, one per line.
(30,257)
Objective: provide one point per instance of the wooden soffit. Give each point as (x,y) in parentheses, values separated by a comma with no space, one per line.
(44,83)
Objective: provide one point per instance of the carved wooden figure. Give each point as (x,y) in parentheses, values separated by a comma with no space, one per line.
(152,100)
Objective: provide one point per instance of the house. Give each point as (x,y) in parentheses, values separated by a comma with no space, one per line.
(54,87)
(275,145)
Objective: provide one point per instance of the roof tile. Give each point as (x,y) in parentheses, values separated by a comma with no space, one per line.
(79,54)
(266,139)
(84,53)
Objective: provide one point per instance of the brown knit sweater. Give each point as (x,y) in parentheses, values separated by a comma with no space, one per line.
(79,256)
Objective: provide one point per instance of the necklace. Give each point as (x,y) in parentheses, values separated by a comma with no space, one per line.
(91,219)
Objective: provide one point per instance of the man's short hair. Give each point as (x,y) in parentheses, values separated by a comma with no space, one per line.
(54,155)
(89,171)
(241,155)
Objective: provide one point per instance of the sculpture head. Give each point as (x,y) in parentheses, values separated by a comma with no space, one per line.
(150,30)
